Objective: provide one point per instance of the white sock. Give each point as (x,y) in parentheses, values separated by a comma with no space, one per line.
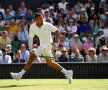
(64,71)
(22,72)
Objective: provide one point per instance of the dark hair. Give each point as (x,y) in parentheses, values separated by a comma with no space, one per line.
(1,15)
(37,14)
(4,50)
(102,40)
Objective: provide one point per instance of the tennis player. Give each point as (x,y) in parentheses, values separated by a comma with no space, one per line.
(43,31)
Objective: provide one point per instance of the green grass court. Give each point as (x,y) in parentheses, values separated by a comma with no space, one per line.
(53,84)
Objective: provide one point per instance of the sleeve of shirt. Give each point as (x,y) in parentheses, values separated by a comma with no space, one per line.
(30,38)
(51,27)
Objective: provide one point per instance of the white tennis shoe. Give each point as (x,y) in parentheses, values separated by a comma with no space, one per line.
(69,76)
(16,76)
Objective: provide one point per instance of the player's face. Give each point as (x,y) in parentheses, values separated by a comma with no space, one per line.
(39,21)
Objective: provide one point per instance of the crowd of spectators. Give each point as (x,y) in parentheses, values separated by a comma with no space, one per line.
(83,28)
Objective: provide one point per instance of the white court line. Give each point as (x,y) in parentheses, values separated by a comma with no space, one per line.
(86,87)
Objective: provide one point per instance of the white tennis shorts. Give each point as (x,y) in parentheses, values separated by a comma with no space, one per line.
(43,52)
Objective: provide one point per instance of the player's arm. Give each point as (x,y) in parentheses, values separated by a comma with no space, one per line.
(57,35)
(54,29)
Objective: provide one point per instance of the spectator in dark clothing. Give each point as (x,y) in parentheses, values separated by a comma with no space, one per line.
(9,51)
(84,26)
(102,42)
(29,15)
(64,57)
(18,58)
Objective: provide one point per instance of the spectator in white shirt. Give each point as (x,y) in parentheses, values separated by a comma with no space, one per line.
(91,55)
(12,12)
(62,4)
(76,43)
(5,59)
(103,57)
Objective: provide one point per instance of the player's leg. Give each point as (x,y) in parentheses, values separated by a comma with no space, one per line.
(68,73)
(51,63)
(32,57)
(29,62)
(26,67)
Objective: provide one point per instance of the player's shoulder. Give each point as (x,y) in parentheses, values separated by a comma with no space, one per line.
(47,23)
(33,24)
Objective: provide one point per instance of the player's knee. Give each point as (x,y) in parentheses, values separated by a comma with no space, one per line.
(32,56)
(49,63)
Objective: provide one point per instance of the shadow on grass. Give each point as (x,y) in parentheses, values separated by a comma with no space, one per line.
(12,86)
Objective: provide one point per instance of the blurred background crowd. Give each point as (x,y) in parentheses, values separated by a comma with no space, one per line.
(83,28)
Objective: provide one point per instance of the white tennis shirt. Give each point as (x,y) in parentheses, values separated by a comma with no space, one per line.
(44,34)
